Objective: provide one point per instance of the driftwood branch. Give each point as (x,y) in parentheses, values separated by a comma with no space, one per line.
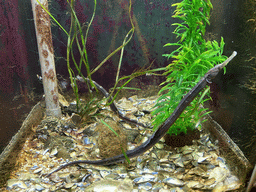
(46,56)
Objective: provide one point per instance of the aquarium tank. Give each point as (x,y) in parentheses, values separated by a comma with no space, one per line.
(91,93)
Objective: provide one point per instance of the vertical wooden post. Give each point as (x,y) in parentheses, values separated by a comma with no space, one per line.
(45,49)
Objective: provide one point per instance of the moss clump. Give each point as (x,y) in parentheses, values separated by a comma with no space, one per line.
(108,142)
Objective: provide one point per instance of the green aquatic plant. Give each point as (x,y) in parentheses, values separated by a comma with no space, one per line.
(76,37)
(190,61)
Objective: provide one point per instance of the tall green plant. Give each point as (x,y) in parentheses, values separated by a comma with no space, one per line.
(77,38)
(191,60)
(75,34)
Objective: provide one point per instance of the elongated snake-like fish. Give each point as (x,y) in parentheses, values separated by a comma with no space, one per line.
(163,128)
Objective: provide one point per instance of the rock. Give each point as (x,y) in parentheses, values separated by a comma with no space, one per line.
(110,186)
